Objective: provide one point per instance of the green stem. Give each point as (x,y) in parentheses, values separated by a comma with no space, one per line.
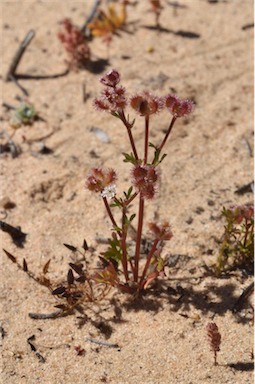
(131,139)
(108,209)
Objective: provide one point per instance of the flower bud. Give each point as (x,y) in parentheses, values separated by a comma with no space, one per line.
(111,78)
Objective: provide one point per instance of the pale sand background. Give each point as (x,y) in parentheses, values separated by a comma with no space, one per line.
(207,161)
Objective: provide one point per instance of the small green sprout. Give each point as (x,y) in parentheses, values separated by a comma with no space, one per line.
(25,114)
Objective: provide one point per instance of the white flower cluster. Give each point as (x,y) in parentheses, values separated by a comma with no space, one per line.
(109,191)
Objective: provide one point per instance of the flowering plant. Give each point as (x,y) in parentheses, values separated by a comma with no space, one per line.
(237,246)
(144,179)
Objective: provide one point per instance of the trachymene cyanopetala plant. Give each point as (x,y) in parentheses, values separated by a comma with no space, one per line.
(137,274)
(237,246)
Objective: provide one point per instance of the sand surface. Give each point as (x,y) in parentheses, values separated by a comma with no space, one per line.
(202,53)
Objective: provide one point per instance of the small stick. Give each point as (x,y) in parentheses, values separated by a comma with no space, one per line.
(91,16)
(103,343)
(18,55)
(44,316)
(240,301)
(14,79)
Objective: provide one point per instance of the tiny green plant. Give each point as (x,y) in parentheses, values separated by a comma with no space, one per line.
(214,339)
(24,114)
(121,268)
(237,246)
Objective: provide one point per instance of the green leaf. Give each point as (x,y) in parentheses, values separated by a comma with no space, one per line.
(129,158)
(128,193)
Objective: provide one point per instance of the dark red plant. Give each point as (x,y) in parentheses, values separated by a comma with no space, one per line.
(75,44)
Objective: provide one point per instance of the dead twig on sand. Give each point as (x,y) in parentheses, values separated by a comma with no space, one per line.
(11,74)
(90,17)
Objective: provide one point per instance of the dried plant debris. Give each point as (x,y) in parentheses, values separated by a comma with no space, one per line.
(30,342)
(107,22)
(75,292)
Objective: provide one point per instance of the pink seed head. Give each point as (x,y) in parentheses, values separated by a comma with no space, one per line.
(161,231)
(145,103)
(99,178)
(144,180)
(178,107)
(111,78)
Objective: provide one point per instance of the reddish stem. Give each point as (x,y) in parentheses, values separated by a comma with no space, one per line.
(138,237)
(167,134)
(124,245)
(148,261)
(108,209)
(146,138)
(131,139)
(127,202)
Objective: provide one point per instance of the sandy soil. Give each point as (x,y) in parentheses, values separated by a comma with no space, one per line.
(161,337)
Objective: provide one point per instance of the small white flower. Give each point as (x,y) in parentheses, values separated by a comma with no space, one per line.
(109,191)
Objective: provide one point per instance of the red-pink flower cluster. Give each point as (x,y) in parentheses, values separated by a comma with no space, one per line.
(161,231)
(146,103)
(98,179)
(242,212)
(113,97)
(75,43)
(145,178)
(177,106)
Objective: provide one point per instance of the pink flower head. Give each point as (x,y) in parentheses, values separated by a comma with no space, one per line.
(241,212)
(112,99)
(111,78)
(145,103)
(161,231)
(98,179)
(144,179)
(178,107)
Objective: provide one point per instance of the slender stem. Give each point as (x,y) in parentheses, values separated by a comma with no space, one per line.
(131,139)
(124,244)
(108,209)
(215,358)
(148,261)
(146,138)
(167,134)
(127,202)
(138,237)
